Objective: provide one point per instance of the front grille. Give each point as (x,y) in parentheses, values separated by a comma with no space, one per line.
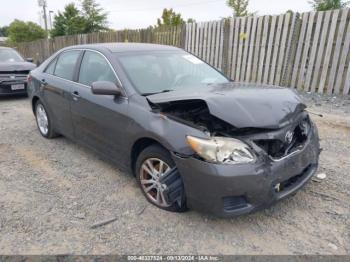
(278,148)
(21,72)
(10,77)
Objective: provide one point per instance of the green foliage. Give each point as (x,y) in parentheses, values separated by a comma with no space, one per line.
(170,18)
(95,17)
(3,31)
(69,22)
(20,31)
(240,7)
(324,5)
(191,20)
(91,18)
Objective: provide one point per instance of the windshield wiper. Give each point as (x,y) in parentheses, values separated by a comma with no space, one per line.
(163,91)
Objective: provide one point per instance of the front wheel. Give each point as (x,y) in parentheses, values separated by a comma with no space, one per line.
(152,163)
(43,121)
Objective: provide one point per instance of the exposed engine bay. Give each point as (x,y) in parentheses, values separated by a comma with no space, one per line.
(277,143)
(196,113)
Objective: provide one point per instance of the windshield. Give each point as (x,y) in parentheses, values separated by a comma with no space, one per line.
(155,72)
(9,55)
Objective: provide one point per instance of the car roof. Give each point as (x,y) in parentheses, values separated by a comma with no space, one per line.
(126,47)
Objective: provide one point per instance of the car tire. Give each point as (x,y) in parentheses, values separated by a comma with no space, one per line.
(155,154)
(44,121)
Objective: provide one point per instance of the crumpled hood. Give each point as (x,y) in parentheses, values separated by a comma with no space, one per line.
(16,66)
(241,104)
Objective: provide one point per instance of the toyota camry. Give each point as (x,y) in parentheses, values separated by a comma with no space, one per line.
(192,137)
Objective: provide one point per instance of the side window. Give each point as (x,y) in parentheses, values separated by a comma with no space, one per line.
(50,69)
(94,67)
(66,64)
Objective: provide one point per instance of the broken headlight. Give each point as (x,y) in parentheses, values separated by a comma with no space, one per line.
(222,150)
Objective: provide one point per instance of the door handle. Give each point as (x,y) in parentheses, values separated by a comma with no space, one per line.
(43,82)
(75,95)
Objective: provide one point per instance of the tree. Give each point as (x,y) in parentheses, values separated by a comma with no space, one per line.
(324,5)
(170,18)
(95,18)
(240,7)
(3,31)
(20,31)
(69,22)
(191,20)
(90,18)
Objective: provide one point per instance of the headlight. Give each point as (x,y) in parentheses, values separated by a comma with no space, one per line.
(222,150)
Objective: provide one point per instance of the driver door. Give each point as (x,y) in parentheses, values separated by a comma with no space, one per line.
(99,120)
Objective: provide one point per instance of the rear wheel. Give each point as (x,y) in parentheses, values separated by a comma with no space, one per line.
(43,121)
(152,163)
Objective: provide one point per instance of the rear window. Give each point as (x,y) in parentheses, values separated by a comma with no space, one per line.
(66,63)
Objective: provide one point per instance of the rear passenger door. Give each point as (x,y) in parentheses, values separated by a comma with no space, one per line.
(99,120)
(57,83)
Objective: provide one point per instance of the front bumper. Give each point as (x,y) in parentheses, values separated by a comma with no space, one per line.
(228,190)
(6,88)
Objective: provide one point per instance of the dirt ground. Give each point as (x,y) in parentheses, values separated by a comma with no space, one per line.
(53,191)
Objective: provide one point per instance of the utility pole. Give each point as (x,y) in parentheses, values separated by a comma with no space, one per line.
(50,12)
(42,3)
(45,16)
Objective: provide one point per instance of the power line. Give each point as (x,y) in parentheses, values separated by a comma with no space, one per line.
(160,7)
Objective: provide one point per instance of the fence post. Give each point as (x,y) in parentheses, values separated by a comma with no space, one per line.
(291,50)
(183,36)
(225,48)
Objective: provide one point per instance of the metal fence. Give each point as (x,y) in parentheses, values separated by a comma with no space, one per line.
(309,51)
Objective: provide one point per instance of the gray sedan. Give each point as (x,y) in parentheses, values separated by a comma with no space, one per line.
(192,137)
(14,70)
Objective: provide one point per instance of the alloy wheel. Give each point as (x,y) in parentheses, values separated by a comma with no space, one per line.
(42,119)
(152,169)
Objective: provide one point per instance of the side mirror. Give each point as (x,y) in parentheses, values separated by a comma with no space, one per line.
(105,88)
(31,60)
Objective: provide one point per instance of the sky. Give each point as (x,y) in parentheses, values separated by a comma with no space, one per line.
(134,14)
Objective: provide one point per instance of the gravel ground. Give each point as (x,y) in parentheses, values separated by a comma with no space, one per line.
(53,191)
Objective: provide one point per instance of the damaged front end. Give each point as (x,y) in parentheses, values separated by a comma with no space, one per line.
(280,143)
(276,143)
(174,191)
(237,169)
